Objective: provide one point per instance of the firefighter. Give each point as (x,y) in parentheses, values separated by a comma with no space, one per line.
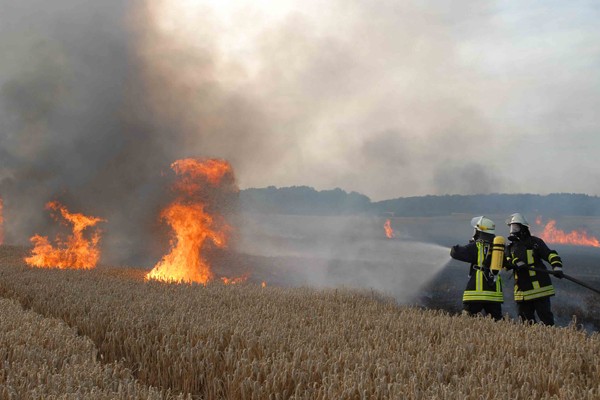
(484,288)
(533,289)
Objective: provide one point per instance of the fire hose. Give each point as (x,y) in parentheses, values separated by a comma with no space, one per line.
(570,278)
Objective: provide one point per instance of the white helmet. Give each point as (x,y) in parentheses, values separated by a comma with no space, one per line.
(483,224)
(517,218)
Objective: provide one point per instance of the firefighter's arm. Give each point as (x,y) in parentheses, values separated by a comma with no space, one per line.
(512,261)
(466,253)
(508,258)
(550,256)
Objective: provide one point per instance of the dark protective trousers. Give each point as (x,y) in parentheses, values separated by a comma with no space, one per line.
(491,308)
(541,307)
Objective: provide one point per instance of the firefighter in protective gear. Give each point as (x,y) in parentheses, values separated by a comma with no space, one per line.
(484,288)
(533,289)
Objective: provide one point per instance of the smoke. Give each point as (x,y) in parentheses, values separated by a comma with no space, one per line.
(70,129)
(466,178)
(391,98)
(336,252)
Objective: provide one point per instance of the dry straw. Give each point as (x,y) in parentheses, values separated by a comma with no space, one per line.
(249,342)
(42,358)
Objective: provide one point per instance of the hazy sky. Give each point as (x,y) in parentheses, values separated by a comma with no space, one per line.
(387,98)
(401,98)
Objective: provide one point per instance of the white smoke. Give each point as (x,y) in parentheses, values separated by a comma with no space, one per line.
(333,252)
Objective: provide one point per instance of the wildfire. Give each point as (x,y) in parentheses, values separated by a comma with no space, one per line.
(75,251)
(552,234)
(191,223)
(389,232)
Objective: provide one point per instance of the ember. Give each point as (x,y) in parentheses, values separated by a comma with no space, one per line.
(75,251)
(233,281)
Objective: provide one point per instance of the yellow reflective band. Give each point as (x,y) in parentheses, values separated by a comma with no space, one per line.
(479,254)
(534,293)
(479,297)
(530,257)
(551,256)
(479,294)
(535,284)
(531,273)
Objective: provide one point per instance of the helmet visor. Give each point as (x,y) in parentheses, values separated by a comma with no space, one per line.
(515,228)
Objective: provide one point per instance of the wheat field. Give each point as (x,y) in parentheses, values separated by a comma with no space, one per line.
(250,342)
(43,358)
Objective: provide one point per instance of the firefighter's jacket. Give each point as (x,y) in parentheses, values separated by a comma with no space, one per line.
(483,285)
(531,285)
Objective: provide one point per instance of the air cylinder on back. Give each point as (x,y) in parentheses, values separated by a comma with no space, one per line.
(497,253)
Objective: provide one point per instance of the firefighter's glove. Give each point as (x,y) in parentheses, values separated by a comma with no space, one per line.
(558,272)
(454,251)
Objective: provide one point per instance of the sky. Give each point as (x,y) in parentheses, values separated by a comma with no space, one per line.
(409,98)
(388,98)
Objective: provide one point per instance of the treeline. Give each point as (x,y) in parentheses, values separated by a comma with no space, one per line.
(552,204)
(304,200)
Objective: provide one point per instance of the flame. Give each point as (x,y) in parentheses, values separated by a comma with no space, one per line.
(389,232)
(193,173)
(551,234)
(75,252)
(234,281)
(191,224)
(263,284)
(1,221)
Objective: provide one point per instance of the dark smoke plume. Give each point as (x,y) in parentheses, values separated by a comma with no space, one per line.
(76,126)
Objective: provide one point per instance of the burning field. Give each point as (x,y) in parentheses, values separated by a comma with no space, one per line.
(128,269)
(318,313)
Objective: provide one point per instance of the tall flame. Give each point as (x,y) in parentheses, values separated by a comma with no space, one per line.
(190,222)
(75,251)
(389,232)
(552,234)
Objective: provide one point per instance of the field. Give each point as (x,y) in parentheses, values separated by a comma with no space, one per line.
(106,333)
(414,267)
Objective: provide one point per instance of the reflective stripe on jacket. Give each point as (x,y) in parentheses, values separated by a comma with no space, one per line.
(482,286)
(531,285)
